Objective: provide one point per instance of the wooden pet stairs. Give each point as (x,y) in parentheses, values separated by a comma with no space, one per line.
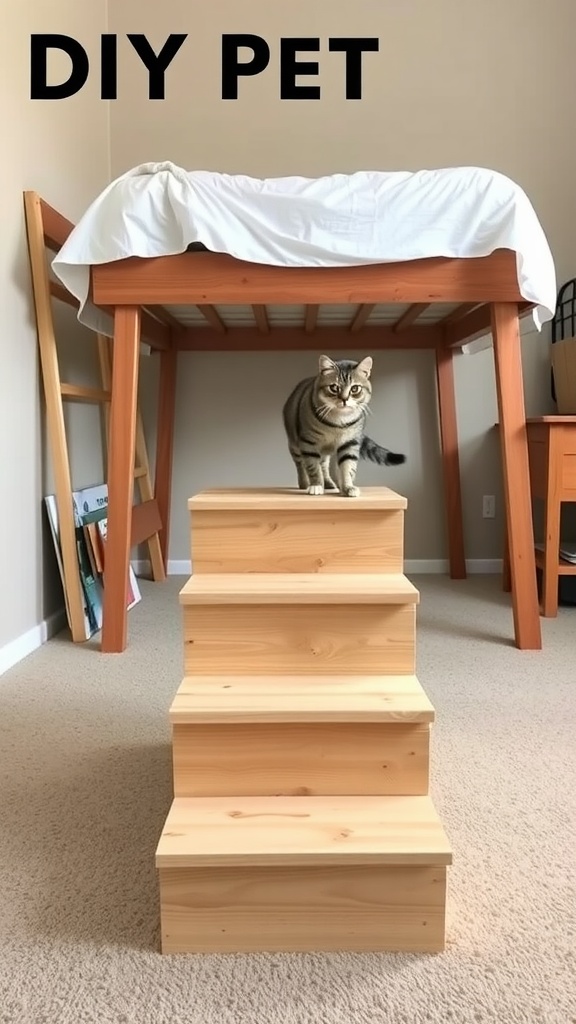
(301,817)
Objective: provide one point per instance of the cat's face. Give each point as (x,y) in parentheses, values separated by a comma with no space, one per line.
(344,387)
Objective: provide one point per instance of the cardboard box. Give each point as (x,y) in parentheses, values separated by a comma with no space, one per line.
(563,357)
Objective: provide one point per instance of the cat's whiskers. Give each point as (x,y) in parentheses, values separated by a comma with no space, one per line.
(323,410)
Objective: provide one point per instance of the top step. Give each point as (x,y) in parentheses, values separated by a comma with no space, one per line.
(286,498)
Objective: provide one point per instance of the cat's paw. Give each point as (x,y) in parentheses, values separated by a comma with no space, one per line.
(316,489)
(329,485)
(351,492)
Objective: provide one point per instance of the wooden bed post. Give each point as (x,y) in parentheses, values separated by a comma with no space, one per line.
(122,445)
(519,528)
(450,461)
(165,440)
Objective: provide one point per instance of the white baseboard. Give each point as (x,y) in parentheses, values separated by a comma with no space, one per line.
(416,566)
(20,648)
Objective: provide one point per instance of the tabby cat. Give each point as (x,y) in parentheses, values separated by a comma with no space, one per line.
(324,417)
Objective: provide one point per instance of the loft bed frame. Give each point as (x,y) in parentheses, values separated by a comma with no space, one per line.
(150,299)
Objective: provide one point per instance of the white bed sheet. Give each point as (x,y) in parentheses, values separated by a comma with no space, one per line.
(158,209)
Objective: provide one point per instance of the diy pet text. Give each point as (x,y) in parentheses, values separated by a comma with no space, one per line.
(294,61)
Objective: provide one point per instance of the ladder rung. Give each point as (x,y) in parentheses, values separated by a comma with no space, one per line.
(140,471)
(79,393)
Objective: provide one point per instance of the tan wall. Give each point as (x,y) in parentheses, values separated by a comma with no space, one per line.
(61,150)
(454,83)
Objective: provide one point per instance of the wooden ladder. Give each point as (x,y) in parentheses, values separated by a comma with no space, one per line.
(47,229)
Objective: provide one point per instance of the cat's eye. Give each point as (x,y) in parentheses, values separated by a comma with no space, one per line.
(333,389)
(355,389)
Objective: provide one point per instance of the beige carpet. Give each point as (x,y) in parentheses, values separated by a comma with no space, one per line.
(85,786)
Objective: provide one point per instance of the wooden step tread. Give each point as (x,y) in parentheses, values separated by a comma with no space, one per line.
(277,498)
(237,699)
(302,831)
(299,588)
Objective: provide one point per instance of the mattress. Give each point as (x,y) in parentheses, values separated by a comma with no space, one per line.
(160,209)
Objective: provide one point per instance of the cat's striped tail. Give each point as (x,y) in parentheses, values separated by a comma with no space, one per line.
(376,453)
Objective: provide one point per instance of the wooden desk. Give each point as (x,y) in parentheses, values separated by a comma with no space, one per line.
(552,461)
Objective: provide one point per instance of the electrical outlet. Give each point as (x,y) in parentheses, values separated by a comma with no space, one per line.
(489,506)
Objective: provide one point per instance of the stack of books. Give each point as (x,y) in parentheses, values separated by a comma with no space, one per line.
(91,519)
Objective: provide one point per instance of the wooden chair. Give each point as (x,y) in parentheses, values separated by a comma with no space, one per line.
(150,518)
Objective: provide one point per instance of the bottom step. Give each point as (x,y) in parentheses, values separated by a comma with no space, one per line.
(275,874)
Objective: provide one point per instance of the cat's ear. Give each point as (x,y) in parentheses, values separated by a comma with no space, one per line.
(365,366)
(326,365)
